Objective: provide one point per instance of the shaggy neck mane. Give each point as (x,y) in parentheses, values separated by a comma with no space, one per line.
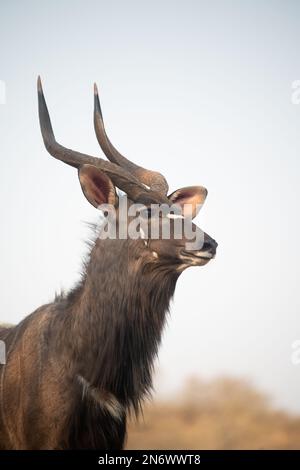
(115,318)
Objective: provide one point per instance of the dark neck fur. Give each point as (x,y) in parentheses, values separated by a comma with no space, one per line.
(116,316)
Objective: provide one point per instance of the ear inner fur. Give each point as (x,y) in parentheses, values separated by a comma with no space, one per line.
(96,186)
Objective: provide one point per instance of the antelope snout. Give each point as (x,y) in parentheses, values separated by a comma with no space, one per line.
(210,245)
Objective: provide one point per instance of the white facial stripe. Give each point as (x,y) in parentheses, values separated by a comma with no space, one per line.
(154,254)
(143,235)
(175,216)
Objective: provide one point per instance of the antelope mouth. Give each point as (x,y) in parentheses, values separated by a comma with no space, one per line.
(195,256)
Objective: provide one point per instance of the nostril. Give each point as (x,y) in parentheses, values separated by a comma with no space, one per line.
(207,246)
(210,246)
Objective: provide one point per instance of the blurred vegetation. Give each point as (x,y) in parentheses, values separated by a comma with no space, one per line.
(220,414)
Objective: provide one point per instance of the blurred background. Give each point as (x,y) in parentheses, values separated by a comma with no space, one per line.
(206,93)
(222,413)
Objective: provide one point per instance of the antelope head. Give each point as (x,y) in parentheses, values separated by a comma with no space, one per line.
(148,189)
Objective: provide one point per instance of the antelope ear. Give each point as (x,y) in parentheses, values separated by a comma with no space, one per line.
(97,186)
(191,199)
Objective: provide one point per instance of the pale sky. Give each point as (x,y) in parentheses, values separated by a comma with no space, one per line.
(201,91)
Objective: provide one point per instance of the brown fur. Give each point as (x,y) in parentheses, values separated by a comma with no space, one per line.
(78,366)
(106,330)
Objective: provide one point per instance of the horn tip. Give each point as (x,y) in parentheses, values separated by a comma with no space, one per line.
(39,84)
(95,89)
